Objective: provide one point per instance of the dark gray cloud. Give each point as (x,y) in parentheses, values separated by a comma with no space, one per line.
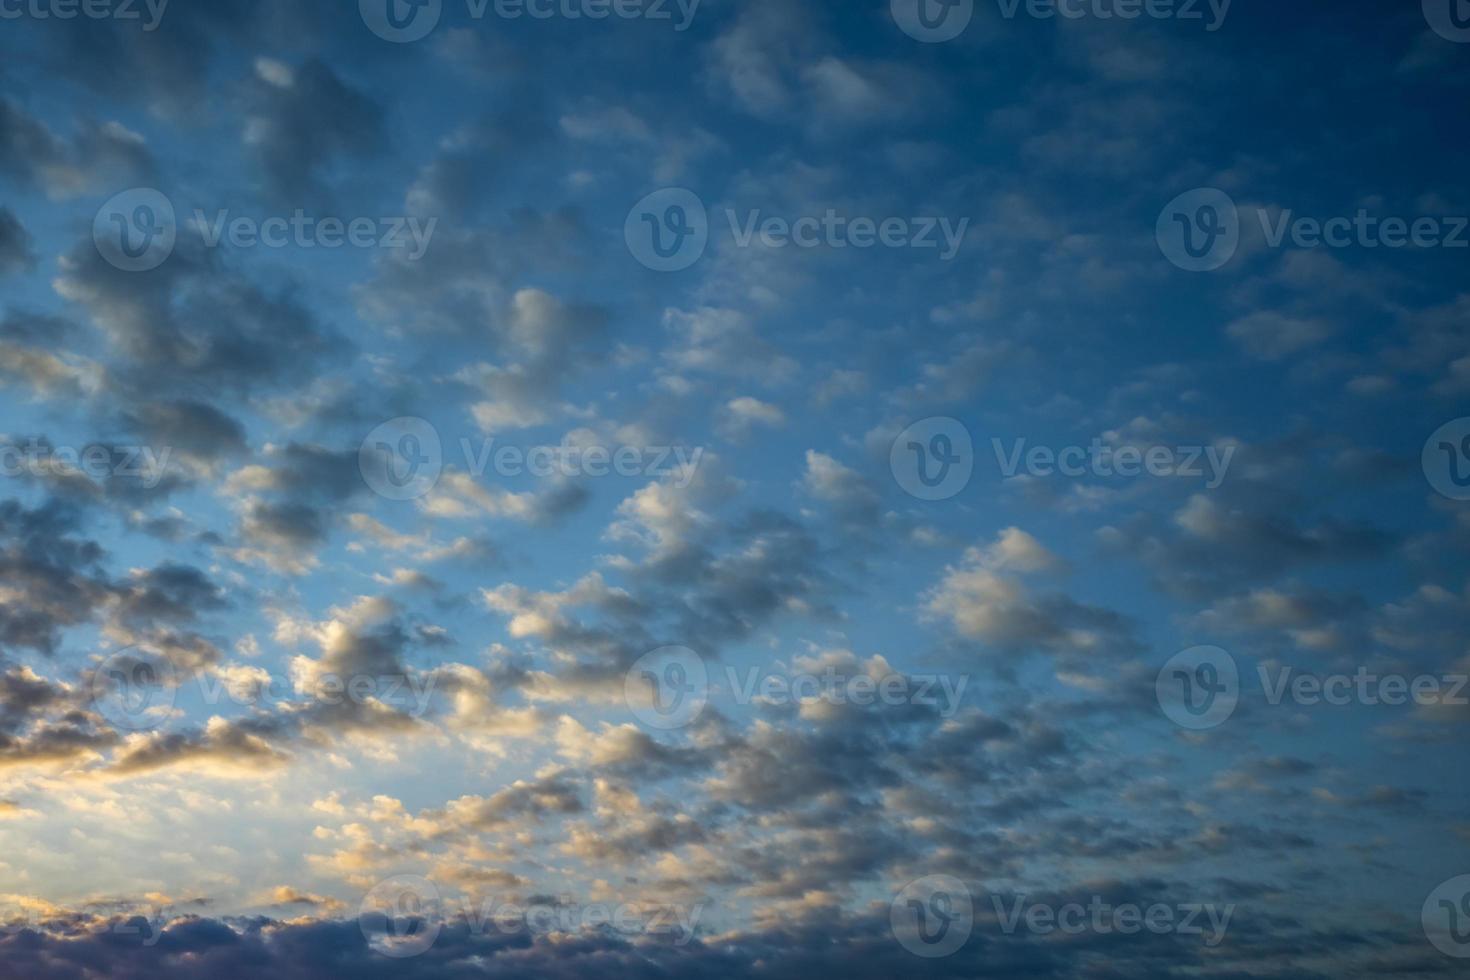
(54,577)
(170,68)
(857,946)
(193,328)
(15,244)
(99,155)
(301,120)
(190,428)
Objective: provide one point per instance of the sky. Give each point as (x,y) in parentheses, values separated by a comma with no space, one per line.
(741,488)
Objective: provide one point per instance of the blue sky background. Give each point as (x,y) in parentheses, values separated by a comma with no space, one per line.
(265,551)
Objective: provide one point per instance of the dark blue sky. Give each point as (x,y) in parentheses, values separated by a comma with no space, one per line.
(1022,454)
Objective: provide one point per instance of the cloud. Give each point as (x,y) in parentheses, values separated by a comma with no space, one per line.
(1272,336)
(99,156)
(15,244)
(744,414)
(301,120)
(985,598)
